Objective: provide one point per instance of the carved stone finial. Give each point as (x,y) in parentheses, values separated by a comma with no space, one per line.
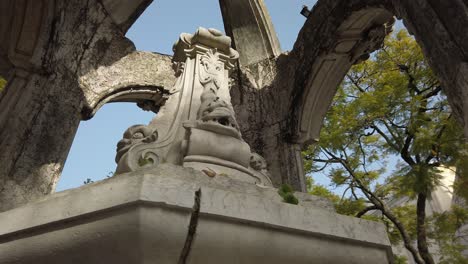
(197,126)
(207,38)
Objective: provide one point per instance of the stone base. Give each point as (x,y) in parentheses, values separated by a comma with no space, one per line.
(144,217)
(235,172)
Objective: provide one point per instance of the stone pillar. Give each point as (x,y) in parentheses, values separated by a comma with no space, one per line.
(39,108)
(248,23)
(261,107)
(38,127)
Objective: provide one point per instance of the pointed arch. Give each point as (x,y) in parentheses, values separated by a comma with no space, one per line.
(337,34)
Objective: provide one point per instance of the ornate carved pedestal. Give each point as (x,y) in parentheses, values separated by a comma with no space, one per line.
(197,127)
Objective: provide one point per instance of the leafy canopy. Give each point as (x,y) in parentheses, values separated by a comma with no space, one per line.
(387,133)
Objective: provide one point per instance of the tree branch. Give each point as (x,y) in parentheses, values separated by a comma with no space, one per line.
(383,208)
(404,153)
(327,161)
(353,81)
(387,139)
(433,92)
(396,138)
(367,209)
(411,85)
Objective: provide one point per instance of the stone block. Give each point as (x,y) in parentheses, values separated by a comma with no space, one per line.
(144,217)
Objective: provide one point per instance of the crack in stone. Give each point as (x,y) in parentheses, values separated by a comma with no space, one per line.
(192,228)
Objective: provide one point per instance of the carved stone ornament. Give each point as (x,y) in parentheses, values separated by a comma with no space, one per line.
(197,126)
(259,165)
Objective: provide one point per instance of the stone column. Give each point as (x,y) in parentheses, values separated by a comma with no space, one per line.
(39,108)
(38,126)
(248,23)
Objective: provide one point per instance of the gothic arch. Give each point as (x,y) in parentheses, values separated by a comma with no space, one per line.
(338,34)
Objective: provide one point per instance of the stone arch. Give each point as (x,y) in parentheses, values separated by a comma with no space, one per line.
(144,78)
(282,101)
(141,77)
(149,98)
(338,34)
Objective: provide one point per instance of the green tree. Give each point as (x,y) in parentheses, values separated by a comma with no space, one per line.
(389,111)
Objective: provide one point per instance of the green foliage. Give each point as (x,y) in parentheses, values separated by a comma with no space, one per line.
(400,259)
(407,216)
(320,190)
(350,206)
(342,206)
(444,228)
(287,192)
(2,83)
(390,109)
(89,180)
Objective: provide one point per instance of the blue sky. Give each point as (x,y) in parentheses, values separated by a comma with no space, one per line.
(93,150)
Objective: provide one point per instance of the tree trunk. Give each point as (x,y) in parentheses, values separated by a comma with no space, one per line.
(421,229)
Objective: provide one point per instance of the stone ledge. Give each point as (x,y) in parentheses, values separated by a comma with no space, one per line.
(143,216)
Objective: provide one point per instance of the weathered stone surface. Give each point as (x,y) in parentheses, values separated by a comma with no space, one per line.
(38,116)
(125,12)
(144,217)
(249,25)
(137,77)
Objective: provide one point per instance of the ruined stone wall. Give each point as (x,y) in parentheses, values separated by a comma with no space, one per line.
(51,51)
(46,47)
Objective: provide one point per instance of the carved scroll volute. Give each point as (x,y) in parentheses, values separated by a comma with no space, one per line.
(134,136)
